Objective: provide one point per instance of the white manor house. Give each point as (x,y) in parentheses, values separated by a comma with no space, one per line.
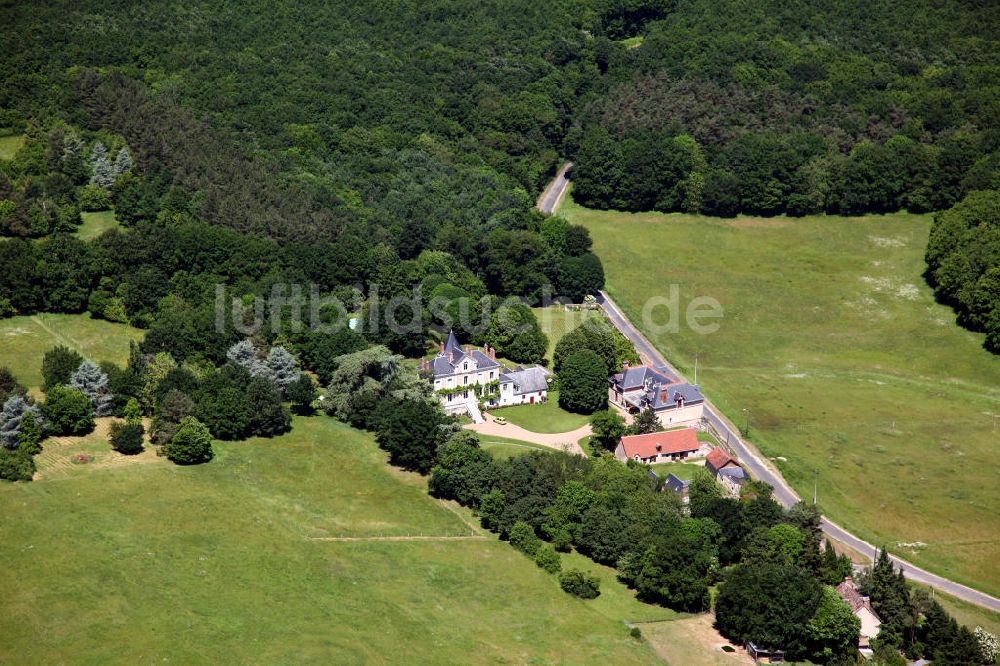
(462,377)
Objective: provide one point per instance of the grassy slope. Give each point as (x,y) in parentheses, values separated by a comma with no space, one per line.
(95,224)
(834,342)
(153,562)
(543,417)
(9,145)
(24,340)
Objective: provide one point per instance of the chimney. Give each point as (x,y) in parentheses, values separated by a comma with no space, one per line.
(624,366)
(492,352)
(468,350)
(441,348)
(663,395)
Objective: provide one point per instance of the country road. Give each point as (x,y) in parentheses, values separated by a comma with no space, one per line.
(553,194)
(751,459)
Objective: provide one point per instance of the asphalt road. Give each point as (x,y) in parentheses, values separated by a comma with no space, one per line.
(751,459)
(554,192)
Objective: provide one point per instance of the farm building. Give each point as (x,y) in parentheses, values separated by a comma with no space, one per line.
(656,447)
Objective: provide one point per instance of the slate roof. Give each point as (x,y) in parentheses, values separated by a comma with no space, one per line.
(655,443)
(443,366)
(675,484)
(647,386)
(632,378)
(735,473)
(719,458)
(527,380)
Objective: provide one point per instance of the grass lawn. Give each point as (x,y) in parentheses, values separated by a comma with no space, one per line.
(833,341)
(683,471)
(24,340)
(95,224)
(556,321)
(631,42)
(505,447)
(691,640)
(9,145)
(215,564)
(543,417)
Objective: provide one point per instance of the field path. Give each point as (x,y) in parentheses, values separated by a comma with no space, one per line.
(72,344)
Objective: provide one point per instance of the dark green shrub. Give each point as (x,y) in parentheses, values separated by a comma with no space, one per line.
(126,438)
(522,536)
(191,445)
(579,584)
(16,465)
(548,559)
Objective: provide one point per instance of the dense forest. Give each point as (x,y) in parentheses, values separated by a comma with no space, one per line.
(355,137)
(796,107)
(334,144)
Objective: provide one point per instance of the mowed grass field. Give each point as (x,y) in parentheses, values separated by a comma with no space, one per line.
(95,224)
(833,342)
(24,340)
(10,144)
(545,417)
(227,563)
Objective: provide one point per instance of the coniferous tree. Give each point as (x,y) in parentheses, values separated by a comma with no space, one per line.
(11,419)
(93,383)
(29,441)
(9,385)
(283,367)
(123,162)
(244,354)
(58,365)
(101,172)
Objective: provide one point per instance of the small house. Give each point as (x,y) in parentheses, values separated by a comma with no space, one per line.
(726,469)
(657,447)
(862,609)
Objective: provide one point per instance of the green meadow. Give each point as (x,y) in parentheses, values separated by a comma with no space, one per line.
(846,365)
(24,340)
(304,548)
(9,145)
(95,224)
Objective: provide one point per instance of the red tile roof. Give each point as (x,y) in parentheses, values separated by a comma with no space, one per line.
(850,594)
(719,458)
(656,443)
